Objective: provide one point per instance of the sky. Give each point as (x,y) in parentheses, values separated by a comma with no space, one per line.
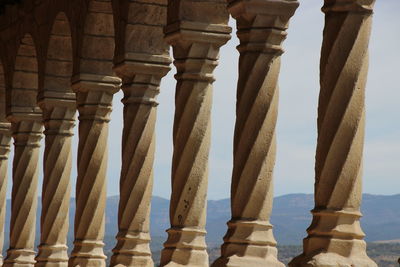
(296,129)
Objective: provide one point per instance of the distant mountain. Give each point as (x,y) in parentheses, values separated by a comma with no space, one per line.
(290,217)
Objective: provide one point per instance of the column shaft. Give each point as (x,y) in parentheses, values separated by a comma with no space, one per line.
(141,87)
(335,237)
(5,138)
(58,122)
(94,100)
(27,133)
(196,56)
(261,30)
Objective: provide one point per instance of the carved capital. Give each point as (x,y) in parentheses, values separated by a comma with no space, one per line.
(91,82)
(262,24)
(5,138)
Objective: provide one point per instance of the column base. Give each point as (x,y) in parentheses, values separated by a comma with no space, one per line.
(132,249)
(337,253)
(249,255)
(88,253)
(52,256)
(248,243)
(121,260)
(52,264)
(20,258)
(185,247)
(86,262)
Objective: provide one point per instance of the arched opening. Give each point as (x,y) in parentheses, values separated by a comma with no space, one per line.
(25,80)
(58,71)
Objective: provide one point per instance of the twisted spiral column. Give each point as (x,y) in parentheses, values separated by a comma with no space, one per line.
(94,100)
(59,121)
(141,83)
(261,30)
(196,56)
(335,237)
(5,138)
(27,133)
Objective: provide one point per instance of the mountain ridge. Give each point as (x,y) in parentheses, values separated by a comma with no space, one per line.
(290,216)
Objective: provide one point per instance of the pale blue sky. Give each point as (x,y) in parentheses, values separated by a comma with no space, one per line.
(296,132)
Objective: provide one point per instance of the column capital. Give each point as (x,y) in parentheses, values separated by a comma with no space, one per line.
(94,94)
(92,82)
(197,32)
(141,75)
(5,128)
(142,63)
(349,6)
(5,137)
(262,24)
(270,8)
(51,99)
(19,114)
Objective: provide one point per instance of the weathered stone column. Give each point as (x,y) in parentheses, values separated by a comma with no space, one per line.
(335,237)
(59,121)
(141,86)
(94,100)
(196,46)
(5,138)
(261,29)
(27,133)
(145,61)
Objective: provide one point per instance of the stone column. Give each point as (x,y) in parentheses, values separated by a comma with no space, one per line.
(27,133)
(196,48)
(335,237)
(143,60)
(59,121)
(141,82)
(5,138)
(94,101)
(261,29)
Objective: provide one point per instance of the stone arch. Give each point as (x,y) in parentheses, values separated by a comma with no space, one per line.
(25,80)
(58,68)
(98,39)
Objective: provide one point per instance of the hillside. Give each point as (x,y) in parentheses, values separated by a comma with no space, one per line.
(290,218)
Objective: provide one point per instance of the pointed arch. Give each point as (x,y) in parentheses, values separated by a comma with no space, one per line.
(25,79)
(58,70)
(98,39)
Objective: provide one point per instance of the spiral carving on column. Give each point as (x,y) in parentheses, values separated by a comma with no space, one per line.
(191,137)
(59,122)
(5,138)
(27,134)
(138,156)
(195,61)
(261,31)
(335,237)
(141,87)
(94,114)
